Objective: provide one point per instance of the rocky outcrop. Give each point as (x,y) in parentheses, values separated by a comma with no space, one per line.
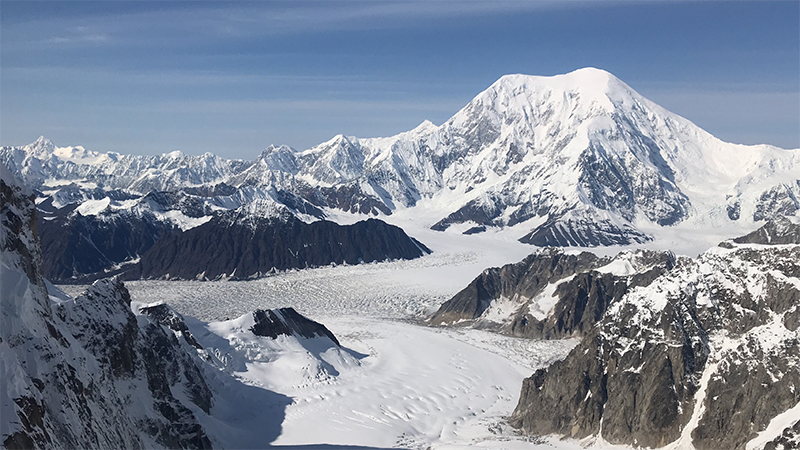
(583,299)
(168,317)
(141,357)
(288,322)
(228,248)
(525,279)
(82,249)
(780,200)
(571,231)
(774,232)
(551,294)
(711,345)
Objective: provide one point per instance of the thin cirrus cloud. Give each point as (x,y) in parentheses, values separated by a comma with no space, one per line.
(153,76)
(123,23)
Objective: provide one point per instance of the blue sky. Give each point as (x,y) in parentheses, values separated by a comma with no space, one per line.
(233,77)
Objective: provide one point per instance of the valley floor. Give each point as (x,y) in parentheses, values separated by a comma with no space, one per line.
(399,383)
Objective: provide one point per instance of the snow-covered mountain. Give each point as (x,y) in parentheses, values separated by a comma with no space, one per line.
(675,352)
(579,159)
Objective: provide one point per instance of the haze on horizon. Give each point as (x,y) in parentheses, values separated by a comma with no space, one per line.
(233,78)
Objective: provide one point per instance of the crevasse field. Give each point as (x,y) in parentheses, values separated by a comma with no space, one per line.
(396,382)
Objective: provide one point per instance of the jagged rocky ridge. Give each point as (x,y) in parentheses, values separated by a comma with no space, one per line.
(68,368)
(575,160)
(551,294)
(226,247)
(102,237)
(707,353)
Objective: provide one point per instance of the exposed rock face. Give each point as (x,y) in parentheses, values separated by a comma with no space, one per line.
(287,321)
(525,279)
(583,299)
(780,200)
(88,235)
(79,248)
(711,344)
(168,317)
(139,357)
(573,230)
(551,294)
(226,247)
(778,231)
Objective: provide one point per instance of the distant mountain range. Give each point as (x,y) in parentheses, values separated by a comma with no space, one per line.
(572,160)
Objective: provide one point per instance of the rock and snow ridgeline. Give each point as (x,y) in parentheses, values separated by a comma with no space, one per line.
(675,352)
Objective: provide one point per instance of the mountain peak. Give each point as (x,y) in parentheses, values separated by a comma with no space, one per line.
(585,78)
(41,147)
(591,85)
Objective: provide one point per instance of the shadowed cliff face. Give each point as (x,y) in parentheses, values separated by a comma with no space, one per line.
(225,248)
(717,335)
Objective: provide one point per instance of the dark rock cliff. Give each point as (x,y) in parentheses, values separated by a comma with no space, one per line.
(582,293)
(82,249)
(238,250)
(524,279)
(712,343)
(287,321)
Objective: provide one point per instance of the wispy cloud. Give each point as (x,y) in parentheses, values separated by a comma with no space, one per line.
(189,22)
(79,35)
